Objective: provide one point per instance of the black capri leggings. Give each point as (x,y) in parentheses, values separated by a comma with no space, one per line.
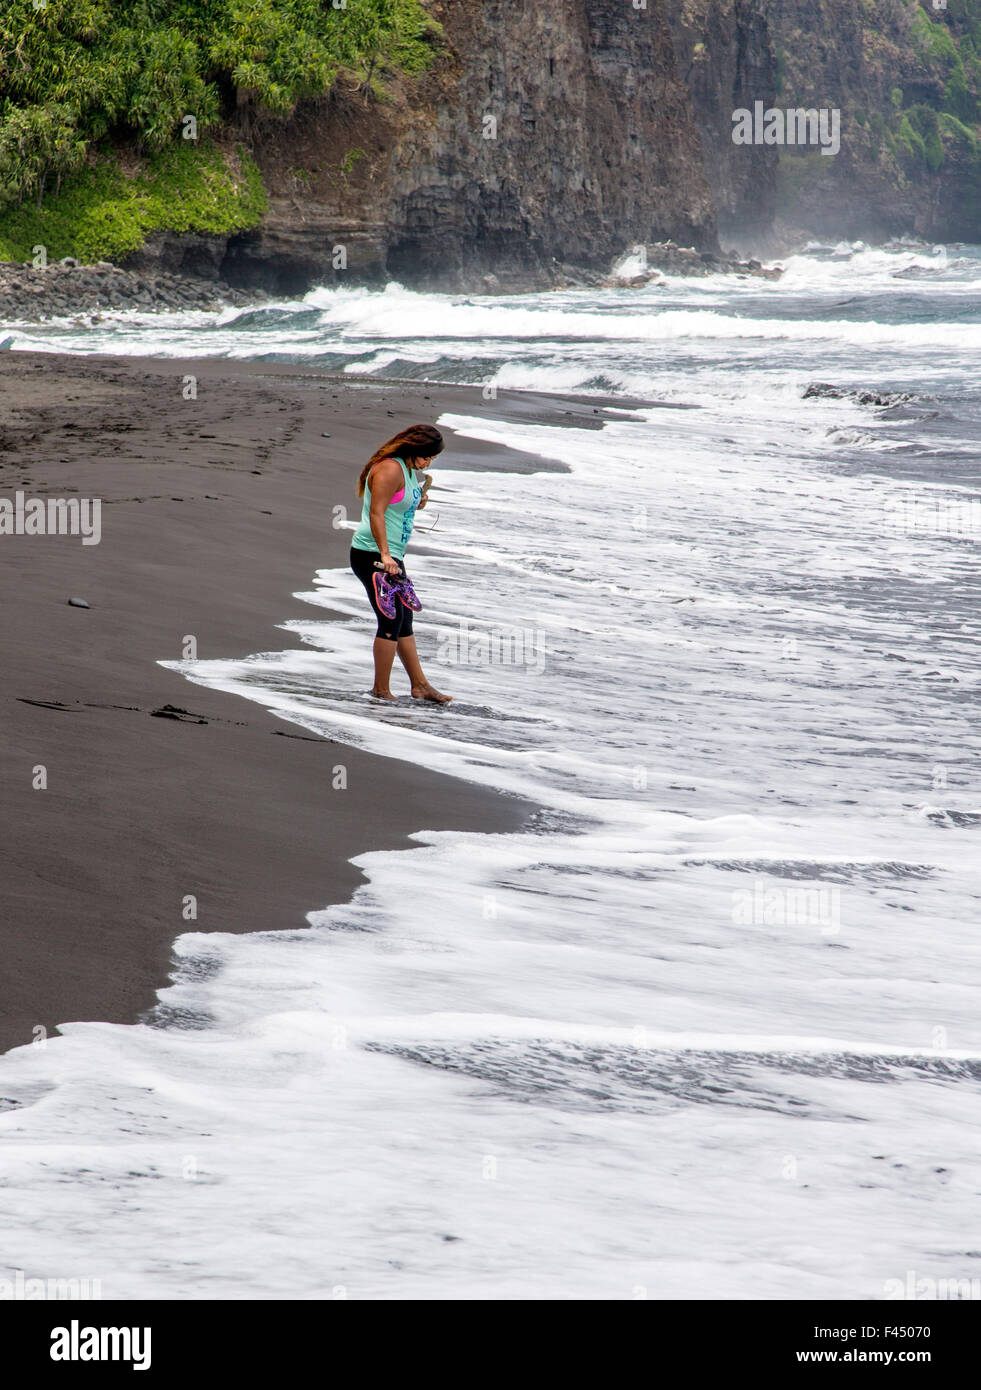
(363,564)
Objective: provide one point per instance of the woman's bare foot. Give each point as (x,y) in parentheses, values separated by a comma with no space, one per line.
(427,692)
(383,695)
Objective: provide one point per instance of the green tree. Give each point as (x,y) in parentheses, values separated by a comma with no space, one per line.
(36,144)
(77,71)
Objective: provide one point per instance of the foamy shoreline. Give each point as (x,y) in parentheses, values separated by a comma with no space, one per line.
(215,511)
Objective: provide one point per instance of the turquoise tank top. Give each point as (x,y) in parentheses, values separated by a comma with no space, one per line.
(399,516)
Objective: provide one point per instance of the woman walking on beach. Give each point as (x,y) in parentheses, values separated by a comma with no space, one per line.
(392,490)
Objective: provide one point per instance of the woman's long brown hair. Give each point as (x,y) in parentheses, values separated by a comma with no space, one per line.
(417,442)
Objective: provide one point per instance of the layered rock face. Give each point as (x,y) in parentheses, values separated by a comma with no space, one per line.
(726,59)
(552,136)
(548,134)
(873,63)
(823,61)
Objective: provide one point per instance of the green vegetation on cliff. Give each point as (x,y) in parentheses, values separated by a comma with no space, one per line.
(101,214)
(906,77)
(103,104)
(949,51)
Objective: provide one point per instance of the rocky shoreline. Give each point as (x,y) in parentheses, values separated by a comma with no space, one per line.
(663,258)
(65,288)
(650,265)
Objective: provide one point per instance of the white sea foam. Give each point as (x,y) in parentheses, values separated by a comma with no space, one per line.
(446,317)
(706,1029)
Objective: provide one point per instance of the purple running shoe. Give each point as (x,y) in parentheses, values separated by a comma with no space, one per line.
(385,592)
(403,587)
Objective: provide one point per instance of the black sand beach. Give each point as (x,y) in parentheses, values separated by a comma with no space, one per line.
(223,802)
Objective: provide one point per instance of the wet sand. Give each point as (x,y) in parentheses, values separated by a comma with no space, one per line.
(216,509)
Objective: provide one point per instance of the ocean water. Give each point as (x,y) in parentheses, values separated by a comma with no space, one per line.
(706,1028)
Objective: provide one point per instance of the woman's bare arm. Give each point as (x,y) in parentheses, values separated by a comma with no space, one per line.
(386,479)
